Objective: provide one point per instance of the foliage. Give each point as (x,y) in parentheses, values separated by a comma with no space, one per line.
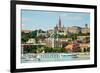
(33,34)
(39,49)
(24,37)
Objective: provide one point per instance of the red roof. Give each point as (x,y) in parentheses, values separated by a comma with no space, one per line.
(26,31)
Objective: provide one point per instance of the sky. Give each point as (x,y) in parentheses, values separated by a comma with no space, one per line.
(33,20)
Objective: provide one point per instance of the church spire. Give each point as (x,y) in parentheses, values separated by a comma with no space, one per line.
(59,22)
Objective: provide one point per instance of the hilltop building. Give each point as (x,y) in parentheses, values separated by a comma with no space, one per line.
(86,29)
(26,31)
(76,29)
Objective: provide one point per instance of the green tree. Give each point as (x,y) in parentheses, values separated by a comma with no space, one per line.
(74,36)
(24,37)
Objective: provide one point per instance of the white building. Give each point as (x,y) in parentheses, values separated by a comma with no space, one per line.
(31,41)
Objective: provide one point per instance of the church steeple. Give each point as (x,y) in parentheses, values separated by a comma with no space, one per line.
(59,24)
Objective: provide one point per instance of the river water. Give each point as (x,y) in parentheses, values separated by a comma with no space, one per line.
(49,57)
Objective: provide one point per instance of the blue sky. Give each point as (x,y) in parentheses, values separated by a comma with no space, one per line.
(32,19)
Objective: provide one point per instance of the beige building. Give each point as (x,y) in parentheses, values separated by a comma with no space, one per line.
(85,30)
(84,46)
(49,42)
(74,29)
(31,41)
